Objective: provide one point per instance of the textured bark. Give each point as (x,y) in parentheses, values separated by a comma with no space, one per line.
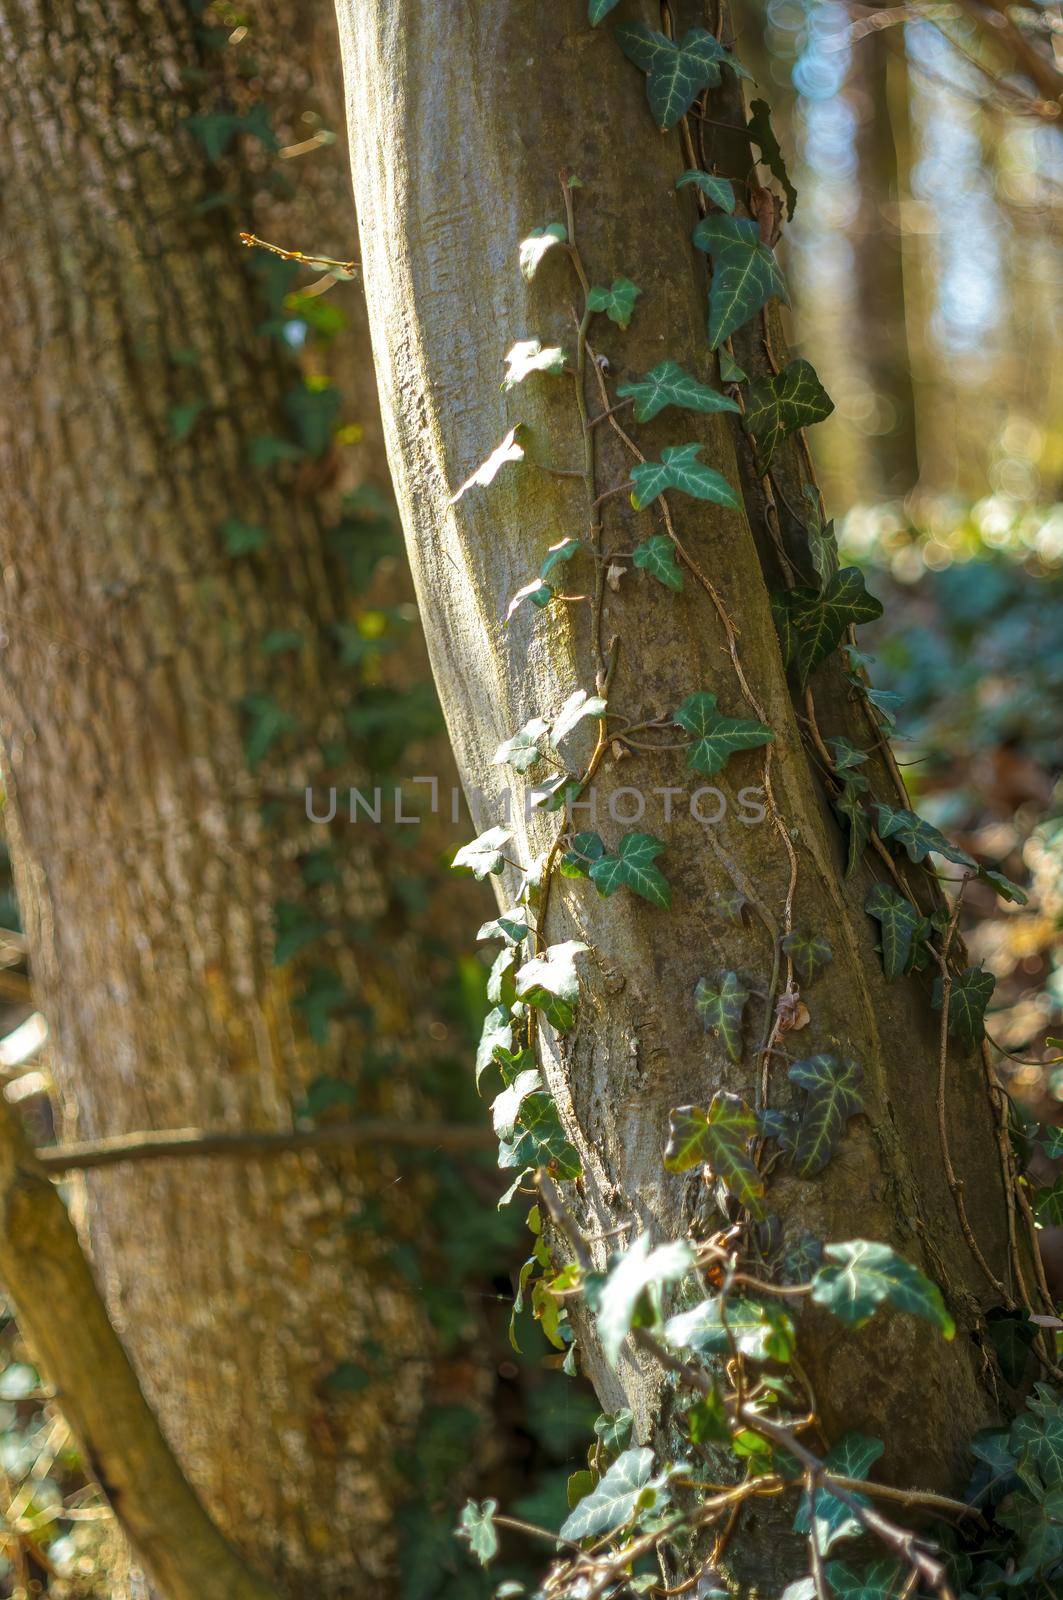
(878,93)
(460,119)
(147,869)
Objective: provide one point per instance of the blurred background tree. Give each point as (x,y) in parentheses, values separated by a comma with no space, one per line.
(925,145)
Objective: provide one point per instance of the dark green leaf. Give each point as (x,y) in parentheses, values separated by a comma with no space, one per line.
(850,808)
(852,1457)
(266,723)
(632,867)
(539,1139)
(668,385)
(1048,1205)
(816,620)
(918,836)
(730,371)
(613,1428)
(833,1095)
(719,1138)
(745,273)
(675,73)
(716,737)
(760,131)
(901,925)
(809,952)
(719,190)
(1011,1333)
(597,9)
(585,849)
(242,538)
(720,1006)
(184,418)
(1037,1437)
(657,555)
(777,406)
(881,1580)
(862,1275)
(971,992)
(679,468)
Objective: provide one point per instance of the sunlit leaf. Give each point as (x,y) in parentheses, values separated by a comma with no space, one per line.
(487,471)
(719,1138)
(615,1499)
(477,1528)
(618,301)
(538,244)
(679,468)
(528,356)
(483,855)
(862,1275)
(632,868)
(640,1269)
(657,555)
(668,385)
(716,738)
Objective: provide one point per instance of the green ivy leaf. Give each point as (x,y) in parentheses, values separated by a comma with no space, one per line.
(760,131)
(745,273)
(597,9)
(918,836)
(719,190)
(613,1429)
(618,301)
(675,73)
(850,808)
(777,406)
(716,737)
(632,868)
(528,356)
(679,468)
(1048,1205)
(505,1107)
(477,1528)
(852,1457)
(657,555)
(1037,1437)
(761,1330)
(730,371)
(580,704)
(242,538)
(721,1006)
(266,723)
(584,850)
(509,450)
(483,855)
(862,1275)
(718,1138)
(846,757)
(640,1270)
(511,926)
(554,972)
(538,244)
(809,952)
(496,1034)
(882,1580)
(813,621)
(1003,886)
(614,1501)
(833,1095)
(522,751)
(668,385)
(312,412)
(183,419)
(539,1139)
(971,992)
(901,926)
(499,982)
(541,590)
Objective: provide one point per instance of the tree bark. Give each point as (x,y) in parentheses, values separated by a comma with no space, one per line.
(460,121)
(148,866)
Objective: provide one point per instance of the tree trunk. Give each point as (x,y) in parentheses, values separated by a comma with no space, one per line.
(460,121)
(878,91)
(153,843)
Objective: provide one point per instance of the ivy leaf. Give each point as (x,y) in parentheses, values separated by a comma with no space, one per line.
(679,468)
(1037,1437)
(597,9)
(809,952)
(719,190)
(852,1457)
(477,1528)
(528,356)
(576,707)
(814,621)
(538,244)
(266,723)
(555,971)
(777,406)
(487,471)
(522,750)
(846,757)
(632,867)
(1011,1333)
(483,855)
(760,131)
(614,1501)
(505,1108)
(613,1428)
(1003,886)
(585,849)
(541,590)
(918,836)
(639,1270)
(850,809)
(761,1330)
(511,926)
(539,1139)
(718,1138)
(1048,1205)
(833,1095)
(732,902)
(668,385)
(720,1007)
(745,273)
(730,371)
(862,1275)
(901,925)
(657,555)
(882,1580)
(675,73)
(498,978)
(1051,1140)
(970,993)
(496,1034)
(242,538)
(182,419)
(618,301)
(716,737)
